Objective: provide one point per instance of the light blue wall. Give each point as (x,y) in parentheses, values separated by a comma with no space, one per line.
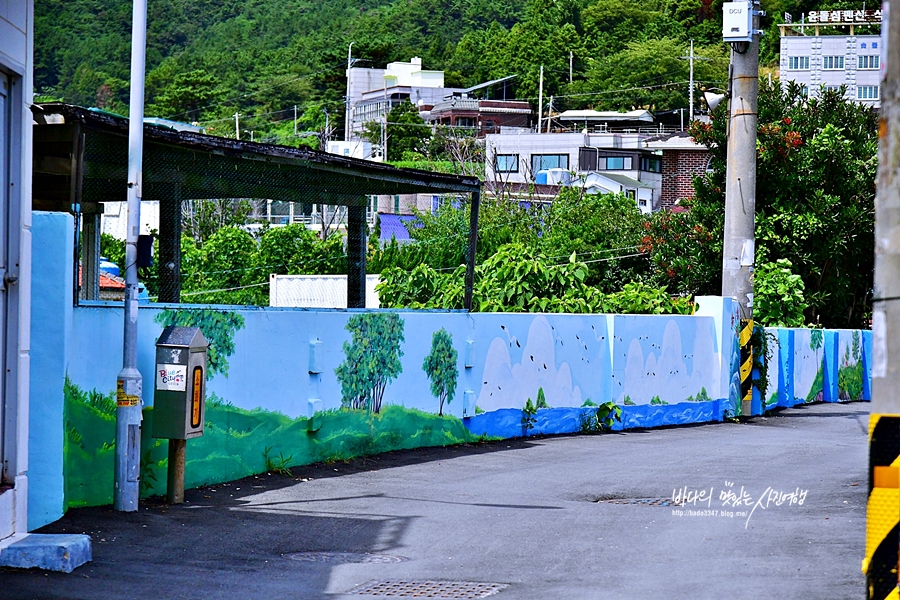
(662,370)
(51,327)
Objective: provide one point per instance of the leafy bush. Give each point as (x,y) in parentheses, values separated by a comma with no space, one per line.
(778,299)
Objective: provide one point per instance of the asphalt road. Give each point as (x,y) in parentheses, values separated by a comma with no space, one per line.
(551,518)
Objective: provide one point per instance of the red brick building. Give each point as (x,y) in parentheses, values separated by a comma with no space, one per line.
(682,160)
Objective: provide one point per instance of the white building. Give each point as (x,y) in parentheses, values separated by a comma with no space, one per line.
(816,55)
(372,93)
(657,170)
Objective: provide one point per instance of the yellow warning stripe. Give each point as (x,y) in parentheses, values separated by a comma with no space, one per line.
(746,332)
(883,509)
(746,369)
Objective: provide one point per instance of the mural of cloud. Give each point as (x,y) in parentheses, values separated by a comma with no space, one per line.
(507,385)
(668,375)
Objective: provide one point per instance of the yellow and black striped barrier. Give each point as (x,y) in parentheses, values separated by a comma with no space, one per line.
(883,510)
(746,365)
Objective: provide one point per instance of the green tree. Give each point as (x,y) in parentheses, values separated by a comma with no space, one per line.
(407,132)
(224,270)
(440,366)
(185,97)
(817,158)
(295,250)
(598,228)
(372,359)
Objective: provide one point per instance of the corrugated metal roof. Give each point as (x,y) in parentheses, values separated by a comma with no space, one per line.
(394,226)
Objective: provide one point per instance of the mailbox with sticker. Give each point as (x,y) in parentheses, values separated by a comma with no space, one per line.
(179,398)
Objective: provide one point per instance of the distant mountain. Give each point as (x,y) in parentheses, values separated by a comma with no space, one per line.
(208,59)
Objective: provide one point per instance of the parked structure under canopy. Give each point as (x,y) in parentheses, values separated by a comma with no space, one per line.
(81,160)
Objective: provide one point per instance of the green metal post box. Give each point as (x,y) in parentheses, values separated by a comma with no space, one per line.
(179,397)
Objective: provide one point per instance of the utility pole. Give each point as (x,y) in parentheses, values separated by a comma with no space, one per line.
(691,105)
(295,120)
(549,114)
(347,109)
(740,178)
(237,126)
(571,54)
(691,58)
(541,101)
(883,511)
(129,383)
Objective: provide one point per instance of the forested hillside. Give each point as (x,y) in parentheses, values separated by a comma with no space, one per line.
(207,59)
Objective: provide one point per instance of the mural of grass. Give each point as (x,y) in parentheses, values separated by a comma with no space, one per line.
(235,442)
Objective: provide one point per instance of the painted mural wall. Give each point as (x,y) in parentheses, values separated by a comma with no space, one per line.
(292,386)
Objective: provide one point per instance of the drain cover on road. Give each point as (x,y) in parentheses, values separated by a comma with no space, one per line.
(345,557)
(428,589)
(641,501)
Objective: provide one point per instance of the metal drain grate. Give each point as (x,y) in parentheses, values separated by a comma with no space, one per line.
(428,589)
(345,557)
(641,501)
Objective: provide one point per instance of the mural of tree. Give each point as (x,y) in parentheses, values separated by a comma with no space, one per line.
(218,327)
(440,366)
(372,359)
(816,341)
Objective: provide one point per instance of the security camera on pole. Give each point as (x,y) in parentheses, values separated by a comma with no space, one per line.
(741,30)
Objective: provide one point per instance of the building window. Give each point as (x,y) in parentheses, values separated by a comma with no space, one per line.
(867,92)
(506,163)
(868,61)
(396,205)
(832,63)
(540,162)
(614,163)
(651,164)
(798,63)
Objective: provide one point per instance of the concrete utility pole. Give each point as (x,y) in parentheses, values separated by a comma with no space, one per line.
(541,101)
(740,182)
(237,126)
(347,109)
(129,383)
(549,114)
(883,511)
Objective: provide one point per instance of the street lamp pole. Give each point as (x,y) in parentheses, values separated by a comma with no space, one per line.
(347,109)
(129,383)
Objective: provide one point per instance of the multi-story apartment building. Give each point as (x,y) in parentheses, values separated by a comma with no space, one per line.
(833,48)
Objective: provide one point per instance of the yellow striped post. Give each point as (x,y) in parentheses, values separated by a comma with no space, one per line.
(883,509)
(746,366)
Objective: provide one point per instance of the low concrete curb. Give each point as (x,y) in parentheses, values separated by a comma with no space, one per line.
(51,552)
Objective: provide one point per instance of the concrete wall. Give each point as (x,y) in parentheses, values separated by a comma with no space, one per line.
(51,325)
(291,386)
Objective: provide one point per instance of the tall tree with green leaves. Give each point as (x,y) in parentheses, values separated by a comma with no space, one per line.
(440,366)
(815,194)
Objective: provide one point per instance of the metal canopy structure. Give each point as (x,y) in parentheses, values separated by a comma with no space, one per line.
(81,159)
